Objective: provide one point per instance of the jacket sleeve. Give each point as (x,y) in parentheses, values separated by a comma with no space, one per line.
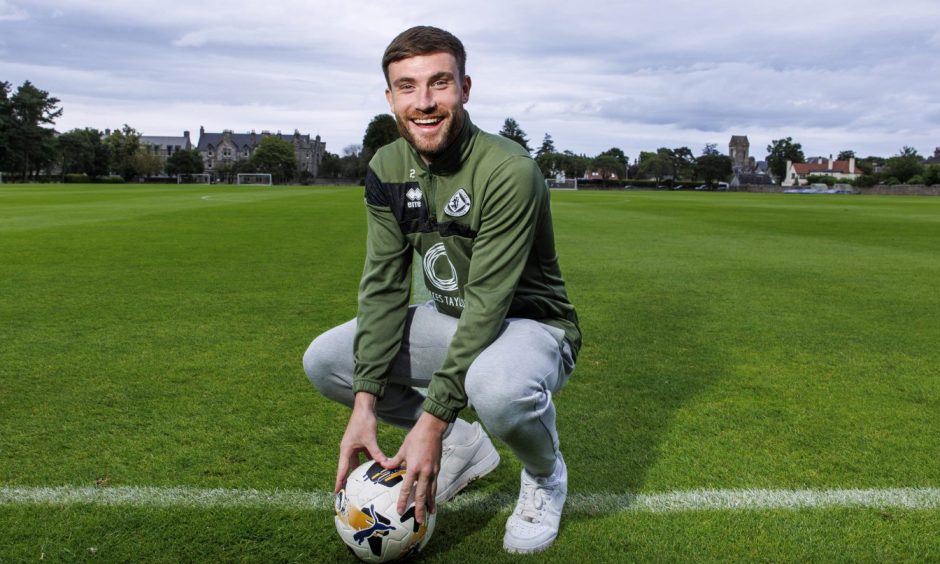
(383,293)
(514,195)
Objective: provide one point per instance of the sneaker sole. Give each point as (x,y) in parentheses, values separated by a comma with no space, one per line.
(529,550)
(475,472)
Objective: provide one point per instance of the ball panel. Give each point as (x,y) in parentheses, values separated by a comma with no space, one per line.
(368,522)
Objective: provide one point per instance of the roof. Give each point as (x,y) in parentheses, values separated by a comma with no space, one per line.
(738,140)
(163,140)
(246,139)
(841,167)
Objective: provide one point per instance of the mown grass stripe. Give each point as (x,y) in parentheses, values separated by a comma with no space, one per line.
(599,503)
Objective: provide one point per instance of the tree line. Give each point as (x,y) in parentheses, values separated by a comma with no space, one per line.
(610,164)
(906,167)
(30,145)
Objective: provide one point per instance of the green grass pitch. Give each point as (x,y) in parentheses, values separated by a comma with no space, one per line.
(151,336)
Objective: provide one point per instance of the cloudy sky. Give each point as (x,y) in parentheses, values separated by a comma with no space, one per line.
(832,74)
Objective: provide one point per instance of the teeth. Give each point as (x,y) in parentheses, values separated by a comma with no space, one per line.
(429,121)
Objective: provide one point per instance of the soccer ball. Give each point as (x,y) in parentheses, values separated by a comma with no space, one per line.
(367,521)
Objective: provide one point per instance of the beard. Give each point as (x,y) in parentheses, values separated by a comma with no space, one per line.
(431,147)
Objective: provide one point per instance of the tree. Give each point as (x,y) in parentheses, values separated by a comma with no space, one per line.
(547,158)
(904,165)
(30,146)
(683,162)
(352,164)
(381,131)
(81,151)
(617,154)
(779,152)
(710,149)
(6,125)
(547,148)
(713,167)
(186,161)
(574,166)
(124,144)
(145,163)
(846,155)
(331,166)
(511,130)
(275,157)
(608,166)
(931,175)
(656,165)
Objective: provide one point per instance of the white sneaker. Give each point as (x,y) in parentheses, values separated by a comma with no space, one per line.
(467,454)
(533,525)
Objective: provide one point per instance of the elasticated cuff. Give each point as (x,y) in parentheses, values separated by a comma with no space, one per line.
(442,412)
(374,388)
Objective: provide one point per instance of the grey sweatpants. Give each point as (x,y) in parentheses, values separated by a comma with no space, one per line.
(510,384)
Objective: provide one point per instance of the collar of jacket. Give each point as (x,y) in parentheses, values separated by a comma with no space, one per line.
(453,157)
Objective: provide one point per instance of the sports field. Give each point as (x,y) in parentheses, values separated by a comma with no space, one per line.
(759,379)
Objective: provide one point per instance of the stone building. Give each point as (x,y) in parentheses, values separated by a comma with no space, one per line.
(738,151)
(165,146)
(745,169)
(935,159)
(225,148)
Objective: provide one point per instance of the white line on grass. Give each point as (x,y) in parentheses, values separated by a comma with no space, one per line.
(679,501)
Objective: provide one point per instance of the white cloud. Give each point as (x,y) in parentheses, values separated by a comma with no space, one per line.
(594,75)
(9,12)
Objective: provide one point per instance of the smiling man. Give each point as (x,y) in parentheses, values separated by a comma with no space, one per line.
(499,333)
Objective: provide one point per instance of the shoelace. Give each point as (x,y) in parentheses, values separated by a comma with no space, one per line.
(534,499)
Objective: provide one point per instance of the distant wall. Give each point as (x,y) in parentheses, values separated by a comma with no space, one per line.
(902,190)
(880,190)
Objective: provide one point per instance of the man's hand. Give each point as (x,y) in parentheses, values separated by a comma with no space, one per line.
(359,437)
(421,456)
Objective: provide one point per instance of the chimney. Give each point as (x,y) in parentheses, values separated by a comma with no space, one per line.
(851,165)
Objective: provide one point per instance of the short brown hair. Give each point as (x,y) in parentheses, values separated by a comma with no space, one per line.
(424,40)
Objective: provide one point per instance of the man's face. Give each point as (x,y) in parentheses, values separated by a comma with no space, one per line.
(427,95)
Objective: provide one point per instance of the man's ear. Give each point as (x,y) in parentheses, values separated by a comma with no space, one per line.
(467,83)
(388,98)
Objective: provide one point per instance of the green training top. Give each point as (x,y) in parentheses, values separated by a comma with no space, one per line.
(480,217)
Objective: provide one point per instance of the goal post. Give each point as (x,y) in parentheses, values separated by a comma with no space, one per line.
(253,179)
(194,178)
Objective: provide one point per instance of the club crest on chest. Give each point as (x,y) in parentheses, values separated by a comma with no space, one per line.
(459,204)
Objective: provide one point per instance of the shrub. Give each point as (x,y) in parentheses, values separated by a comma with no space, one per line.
(76,179)
(822,179)
(932,175)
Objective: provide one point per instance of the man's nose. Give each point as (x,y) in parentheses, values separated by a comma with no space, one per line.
(426,100)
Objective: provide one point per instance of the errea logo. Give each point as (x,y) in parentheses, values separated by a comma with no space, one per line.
(414,197)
